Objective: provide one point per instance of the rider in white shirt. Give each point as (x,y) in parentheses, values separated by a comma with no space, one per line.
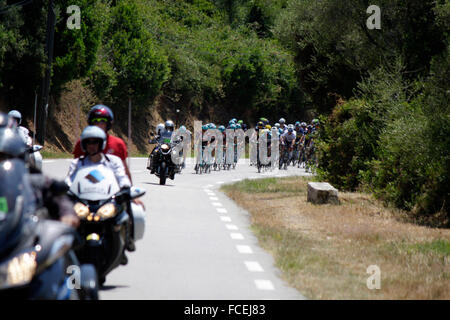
(93,141)
(23,132)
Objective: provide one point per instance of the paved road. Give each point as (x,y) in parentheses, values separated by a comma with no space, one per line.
(197,244)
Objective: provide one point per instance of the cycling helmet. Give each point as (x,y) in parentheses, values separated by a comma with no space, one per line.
(16,115)
(277,125)
(297,123)
(99,113)
(205,127)
(238,126)
(222,128)
(315,121)
(240,122)
(93,132)
(290,129)
(282,121)
(232,126)
(268,126)
(212,126)
(182,129)
(169,125)
(260,124)
(303,124)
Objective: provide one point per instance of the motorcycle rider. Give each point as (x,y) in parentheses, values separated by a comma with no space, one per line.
(92,141)
(164,134)
(24,132)
(103,117)
(50,193)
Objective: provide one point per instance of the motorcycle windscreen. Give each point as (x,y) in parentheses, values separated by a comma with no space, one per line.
(16,197)
(96,182)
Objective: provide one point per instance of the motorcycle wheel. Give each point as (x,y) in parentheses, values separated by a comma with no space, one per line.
(162,174)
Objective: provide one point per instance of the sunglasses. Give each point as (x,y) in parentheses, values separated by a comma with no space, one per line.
(98,120)
(92,141)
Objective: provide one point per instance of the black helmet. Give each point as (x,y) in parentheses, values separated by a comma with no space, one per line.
(101,111)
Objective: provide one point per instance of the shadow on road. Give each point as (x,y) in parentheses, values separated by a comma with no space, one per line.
(157,184)
(112,287)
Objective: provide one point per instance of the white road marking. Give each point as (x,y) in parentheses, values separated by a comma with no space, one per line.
(217,204)
(219,182)
(225,218)
(213,198)
(221,210)
(50,161)
(236,236)
(264,284)
(207,190)
(253,266)
(244,249)
(231,227)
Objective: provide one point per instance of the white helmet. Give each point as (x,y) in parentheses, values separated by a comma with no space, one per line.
(277,125)
(169,125)
(282,121)
(159,128)
(92,132)
(16,115)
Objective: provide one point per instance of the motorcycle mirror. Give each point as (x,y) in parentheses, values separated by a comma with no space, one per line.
(37,148)
(136,192)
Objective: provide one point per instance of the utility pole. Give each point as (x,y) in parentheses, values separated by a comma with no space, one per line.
(43,109)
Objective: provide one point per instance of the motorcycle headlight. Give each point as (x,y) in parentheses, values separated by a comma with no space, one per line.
(18,271)
(81,210)
(165,147)
(107,211)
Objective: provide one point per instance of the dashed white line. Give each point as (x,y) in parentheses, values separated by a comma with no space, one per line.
(225,218)
(236,236)
(217,204)
(262,284)
(221,210)
(244,249)
(231,227)
(253,266)
(213,198)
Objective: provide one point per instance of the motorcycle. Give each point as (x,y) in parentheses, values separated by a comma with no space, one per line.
(162,160)
(35,157)
(105,222)
(36,254)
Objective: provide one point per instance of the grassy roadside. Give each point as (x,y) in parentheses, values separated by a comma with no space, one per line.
(324,250)
(55,155)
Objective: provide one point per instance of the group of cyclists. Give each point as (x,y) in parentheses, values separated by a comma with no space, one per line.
(296,141)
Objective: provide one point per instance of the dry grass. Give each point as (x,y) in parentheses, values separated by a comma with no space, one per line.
(325,250)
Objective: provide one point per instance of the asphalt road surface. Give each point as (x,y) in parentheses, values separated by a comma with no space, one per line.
(198,244)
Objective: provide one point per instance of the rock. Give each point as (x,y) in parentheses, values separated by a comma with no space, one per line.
(322,192)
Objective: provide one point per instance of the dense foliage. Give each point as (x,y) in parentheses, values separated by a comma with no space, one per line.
(383,94)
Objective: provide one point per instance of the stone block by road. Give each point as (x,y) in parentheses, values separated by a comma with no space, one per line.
(322,192)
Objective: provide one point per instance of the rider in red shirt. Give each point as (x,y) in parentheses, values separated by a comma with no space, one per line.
(103,117)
